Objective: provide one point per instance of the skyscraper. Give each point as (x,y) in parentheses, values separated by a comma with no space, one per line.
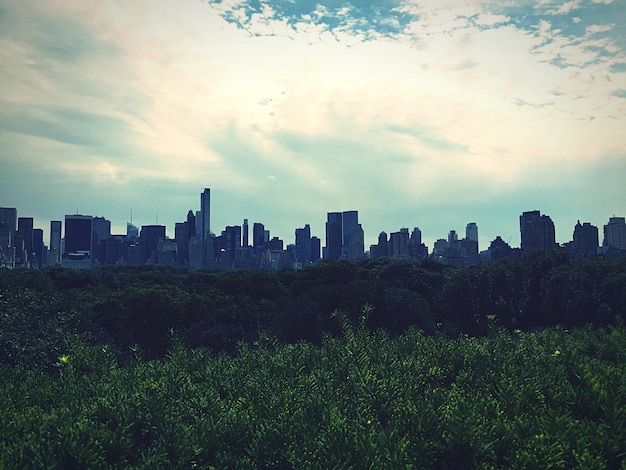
(537,232)
(203,227)
(78,234)
(258,236)
(55,240)
(615,233)
(471,231)
(149,242)
(334,231)
(245,234)
(8,226)
(585,240)
(303,245)
(349,221)
(205,209)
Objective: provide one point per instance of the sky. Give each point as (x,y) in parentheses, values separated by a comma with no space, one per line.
(416,113)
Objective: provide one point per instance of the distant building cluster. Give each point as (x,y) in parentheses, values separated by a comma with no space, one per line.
(87,241)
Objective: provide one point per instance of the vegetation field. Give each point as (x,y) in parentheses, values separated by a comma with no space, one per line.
(388,364)
(549,399)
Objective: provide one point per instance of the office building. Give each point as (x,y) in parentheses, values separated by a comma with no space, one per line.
(471,231)
(258,236)
(245,233)
(8,227)
(302,249)
(149,242)
(615,233)
(78,234)
(585,241)
(55,241)
(537,232)
(334,233)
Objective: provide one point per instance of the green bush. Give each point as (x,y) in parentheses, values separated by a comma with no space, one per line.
(548,399)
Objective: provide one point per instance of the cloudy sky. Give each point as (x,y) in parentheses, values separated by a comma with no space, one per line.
(427,113)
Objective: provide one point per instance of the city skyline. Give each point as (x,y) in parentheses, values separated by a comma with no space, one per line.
(471,229)
(427,114)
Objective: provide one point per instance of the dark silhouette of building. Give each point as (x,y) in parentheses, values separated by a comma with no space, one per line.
(149,242)
(537,232)
(585,241)
(56,227)
(302,254)
(39,249)
(615,233)
(78,234)
(258,237)
(334,233)
(25,226)
(381,249)
(316,249)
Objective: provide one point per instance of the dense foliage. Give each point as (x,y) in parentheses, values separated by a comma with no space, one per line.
(549,399)
(125,306)
(384,364)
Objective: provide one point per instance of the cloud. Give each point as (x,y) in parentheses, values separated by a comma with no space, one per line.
(288,109)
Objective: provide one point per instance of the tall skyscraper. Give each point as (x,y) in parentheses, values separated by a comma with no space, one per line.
(149,242)
(537,232)
(40,253)
(8,216)
(205,209)
(132,232)
(615,233)
(25,226)
(55,240)
(349,221)
(585,242)
(205,227)
(78,234)
(246,241)
(471,231)
(258,236)
(8,227)
(334,232)
(303,245)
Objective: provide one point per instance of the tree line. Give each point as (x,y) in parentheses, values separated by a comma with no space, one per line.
(145,307)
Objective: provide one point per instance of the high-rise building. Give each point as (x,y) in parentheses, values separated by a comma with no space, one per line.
(258,236)
(191,225)
(8,216)
(40,251)
(78,234)
(205,227)
(246,240)
(182,243)
(399,244)
(417,249)
(55,241)
(356,248)
(149,242)
(316,248)
(615,233)
(25,226)
(232,240)
(334,232)
(205,209)
(585,242)
(537,232)
(349,221)
(132,233)
(303,245)
(471,231)
(8,227)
